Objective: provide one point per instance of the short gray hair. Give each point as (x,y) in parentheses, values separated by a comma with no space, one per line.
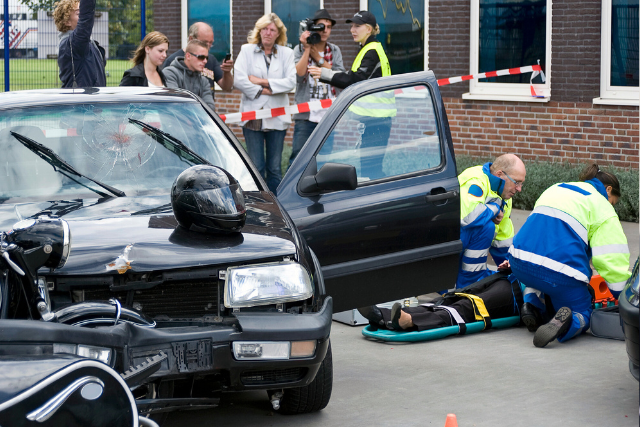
(194,29)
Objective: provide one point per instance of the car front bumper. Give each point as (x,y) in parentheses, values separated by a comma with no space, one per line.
(192,350)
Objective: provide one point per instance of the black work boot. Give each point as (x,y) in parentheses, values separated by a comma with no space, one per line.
(373,315)
(530,316)
(557,326)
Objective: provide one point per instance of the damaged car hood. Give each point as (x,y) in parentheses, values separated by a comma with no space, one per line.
(140,234)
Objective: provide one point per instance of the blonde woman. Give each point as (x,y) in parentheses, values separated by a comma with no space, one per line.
(265,73)
(147,60)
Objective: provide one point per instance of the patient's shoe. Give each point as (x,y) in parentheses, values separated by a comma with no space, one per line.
(531,317)
(396,311)
(557,326)
(373,315)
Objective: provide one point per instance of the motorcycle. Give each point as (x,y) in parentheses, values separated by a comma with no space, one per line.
(73,384)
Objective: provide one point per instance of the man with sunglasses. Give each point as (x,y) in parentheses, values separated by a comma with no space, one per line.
(185,72)
(214,71)
(485,215)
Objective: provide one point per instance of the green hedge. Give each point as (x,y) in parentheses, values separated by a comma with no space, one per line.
(541,175)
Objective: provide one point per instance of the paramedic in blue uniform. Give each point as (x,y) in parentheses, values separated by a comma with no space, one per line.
(571,225)
(485,215)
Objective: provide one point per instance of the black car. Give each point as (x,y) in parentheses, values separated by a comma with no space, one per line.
(232,311)
(628,303)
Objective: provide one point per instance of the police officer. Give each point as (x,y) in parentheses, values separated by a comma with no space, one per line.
(571,224)
(376,111)
(485,212)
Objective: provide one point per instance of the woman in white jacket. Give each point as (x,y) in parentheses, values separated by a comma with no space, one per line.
(265,73)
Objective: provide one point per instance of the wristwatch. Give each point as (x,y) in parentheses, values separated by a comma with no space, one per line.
(320,62)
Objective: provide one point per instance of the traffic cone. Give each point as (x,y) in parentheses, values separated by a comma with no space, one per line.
(451,421)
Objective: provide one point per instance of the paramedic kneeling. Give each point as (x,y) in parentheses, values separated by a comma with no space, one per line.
(485,212)
(571,224)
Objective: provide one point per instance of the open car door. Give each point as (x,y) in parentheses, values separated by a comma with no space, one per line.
(375,192)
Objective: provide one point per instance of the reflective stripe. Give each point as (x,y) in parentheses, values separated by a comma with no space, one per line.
(502,243)
(537,293)
(495,200)
(452,311)
(616,286)
(474,214)
(548,263)
(476,253)
(565,217)
(578,331)
(610,249)
(474,267)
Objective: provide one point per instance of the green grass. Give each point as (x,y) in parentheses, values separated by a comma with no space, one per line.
(43,73)
(542,175)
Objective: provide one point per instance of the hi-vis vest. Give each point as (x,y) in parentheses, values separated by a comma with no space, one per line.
(380,104)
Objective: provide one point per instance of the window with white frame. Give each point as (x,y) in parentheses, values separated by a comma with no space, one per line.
(291,13)
(510,34)
(219,17)
(402,33)
(619,53)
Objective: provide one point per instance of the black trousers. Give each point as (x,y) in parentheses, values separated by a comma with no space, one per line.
(499,298)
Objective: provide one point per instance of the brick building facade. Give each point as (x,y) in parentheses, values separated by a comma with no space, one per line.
(569,127)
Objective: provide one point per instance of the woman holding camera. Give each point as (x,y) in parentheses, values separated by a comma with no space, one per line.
(147,59)
(265,73)
(375,112)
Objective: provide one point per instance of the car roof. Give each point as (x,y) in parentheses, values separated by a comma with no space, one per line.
(41,97)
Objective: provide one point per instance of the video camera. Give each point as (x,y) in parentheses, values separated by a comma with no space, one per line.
(309,25)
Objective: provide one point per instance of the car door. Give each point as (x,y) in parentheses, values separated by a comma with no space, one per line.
(396,232)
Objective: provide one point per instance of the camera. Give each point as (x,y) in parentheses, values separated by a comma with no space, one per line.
(309,25)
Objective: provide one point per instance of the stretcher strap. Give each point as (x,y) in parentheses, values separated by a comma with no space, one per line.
(453,313)
(479,309)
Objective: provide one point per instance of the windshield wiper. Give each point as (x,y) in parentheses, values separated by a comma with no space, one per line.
(59,164)
(172,144)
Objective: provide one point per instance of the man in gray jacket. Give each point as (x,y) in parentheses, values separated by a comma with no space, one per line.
(321,54)
(185,72)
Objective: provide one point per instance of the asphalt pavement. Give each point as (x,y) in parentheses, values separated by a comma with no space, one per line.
(494,378)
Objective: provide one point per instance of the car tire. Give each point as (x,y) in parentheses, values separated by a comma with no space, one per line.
(313,397)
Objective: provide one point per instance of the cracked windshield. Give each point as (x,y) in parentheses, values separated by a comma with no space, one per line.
(108,150)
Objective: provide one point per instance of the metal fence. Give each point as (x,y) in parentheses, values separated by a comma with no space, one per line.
(29,53)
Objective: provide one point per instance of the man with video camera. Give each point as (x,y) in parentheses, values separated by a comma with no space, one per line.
(313,50)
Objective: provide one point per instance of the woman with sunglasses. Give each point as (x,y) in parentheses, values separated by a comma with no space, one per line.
(147,59)
(573,225)
(185,72)
(265,73)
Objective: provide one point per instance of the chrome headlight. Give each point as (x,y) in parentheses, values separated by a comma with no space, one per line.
(263,284)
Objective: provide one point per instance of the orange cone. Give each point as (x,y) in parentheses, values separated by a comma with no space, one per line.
(451,421)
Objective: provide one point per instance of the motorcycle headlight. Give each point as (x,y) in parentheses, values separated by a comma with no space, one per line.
(264,284)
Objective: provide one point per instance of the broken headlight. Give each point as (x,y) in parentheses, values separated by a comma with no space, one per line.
(264,284)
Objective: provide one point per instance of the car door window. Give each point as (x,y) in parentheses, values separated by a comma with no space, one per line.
(385,134)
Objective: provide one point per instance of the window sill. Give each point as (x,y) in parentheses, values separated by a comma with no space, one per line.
(511,98)
(614,101)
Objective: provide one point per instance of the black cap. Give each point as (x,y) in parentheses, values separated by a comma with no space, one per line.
(323,14)
(363,17)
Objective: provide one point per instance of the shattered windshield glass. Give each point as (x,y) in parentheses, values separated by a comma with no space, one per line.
(104,142)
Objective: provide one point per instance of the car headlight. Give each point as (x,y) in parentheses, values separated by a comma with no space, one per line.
(264,284)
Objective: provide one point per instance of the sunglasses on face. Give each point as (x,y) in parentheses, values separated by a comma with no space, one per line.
(200,57)
(516,183)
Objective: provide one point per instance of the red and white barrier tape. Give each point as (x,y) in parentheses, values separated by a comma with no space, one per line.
(305,107)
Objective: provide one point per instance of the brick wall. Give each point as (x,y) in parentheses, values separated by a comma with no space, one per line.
(569,128)
(167,19)
(557,131)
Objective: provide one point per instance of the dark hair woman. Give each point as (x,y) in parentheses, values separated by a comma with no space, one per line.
(147,59)
(573,225)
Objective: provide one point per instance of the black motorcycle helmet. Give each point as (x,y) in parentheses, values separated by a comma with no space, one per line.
(208,199)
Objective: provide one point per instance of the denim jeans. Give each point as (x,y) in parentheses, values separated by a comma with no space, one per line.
(302,130)
(273,140)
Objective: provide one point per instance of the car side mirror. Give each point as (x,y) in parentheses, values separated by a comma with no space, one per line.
(331,177)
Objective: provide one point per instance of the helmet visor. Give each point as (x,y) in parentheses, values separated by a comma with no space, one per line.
(221,201)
